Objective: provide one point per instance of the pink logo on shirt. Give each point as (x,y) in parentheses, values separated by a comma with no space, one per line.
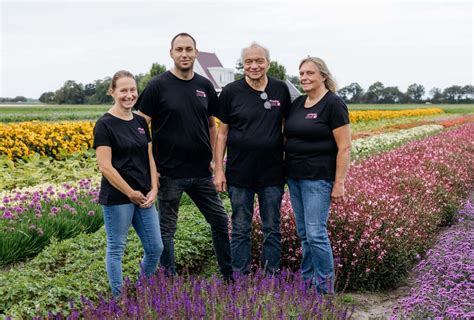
(141,130)
(200,93)
(275,103)
(311,116)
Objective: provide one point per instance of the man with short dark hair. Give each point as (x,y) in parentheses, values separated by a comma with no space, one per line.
(179,104)
(251,111)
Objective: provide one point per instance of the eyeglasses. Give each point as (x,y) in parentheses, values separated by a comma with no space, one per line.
(267,105)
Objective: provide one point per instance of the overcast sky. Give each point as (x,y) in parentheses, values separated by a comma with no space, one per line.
(43,44)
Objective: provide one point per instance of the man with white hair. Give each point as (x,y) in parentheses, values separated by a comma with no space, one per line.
(251,111)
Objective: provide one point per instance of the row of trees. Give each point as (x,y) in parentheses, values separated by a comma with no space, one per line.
(378,93)
(97,91)
(15,100)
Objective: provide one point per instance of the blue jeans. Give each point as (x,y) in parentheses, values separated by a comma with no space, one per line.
(117,219)
(242,201)
(311,200)
(203,193)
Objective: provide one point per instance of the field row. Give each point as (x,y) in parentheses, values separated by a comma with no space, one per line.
(60,139)
(397,201)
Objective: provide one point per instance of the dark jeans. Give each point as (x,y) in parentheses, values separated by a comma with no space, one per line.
(203,193)
(242,200)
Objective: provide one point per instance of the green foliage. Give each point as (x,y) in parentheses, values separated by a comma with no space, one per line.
(277,70)
(70,93)
(29,232)
(47,97)
(415,92)
(155,70)
(98,92)
(68,269)
(34,170)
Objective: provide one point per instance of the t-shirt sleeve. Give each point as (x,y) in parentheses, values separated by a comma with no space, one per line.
(148,100)
(223,106)
(101,135)
(213,102)
(339,114)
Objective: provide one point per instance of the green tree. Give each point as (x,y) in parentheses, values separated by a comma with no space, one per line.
(352,93)
(375,93)
(89,89)
(19,99)
(453,94)
(47,97)
(70,93)
(101,92)
(468,93)
(392,95)
(155,70)
(277,70)
(436,95)
(415,92)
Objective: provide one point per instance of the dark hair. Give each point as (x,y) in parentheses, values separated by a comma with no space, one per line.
(120,74)
(183,34)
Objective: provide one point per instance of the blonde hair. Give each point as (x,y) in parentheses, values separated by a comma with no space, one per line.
(329,83)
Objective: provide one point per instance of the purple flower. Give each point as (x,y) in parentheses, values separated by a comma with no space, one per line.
(7,215)
(55,210)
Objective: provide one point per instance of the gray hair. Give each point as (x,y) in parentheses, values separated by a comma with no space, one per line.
(256,45)
(329,83)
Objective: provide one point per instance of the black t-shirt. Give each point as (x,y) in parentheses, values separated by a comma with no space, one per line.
(311,150)
(129,142)
(255,140)
(180,111)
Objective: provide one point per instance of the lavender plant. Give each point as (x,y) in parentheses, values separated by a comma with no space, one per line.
(444,286)
(284,296)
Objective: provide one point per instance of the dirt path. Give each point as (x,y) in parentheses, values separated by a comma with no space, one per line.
(379,305)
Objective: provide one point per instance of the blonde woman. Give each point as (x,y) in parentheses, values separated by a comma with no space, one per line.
(317,160)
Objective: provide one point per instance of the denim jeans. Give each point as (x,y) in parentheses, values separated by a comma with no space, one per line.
(117,219)
(203,193)
(311,200)
(242,201)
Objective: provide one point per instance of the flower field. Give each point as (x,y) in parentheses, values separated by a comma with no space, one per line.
(47,139)
(60,139)
(409,175)
(370,115)
(444,286)
(396,203)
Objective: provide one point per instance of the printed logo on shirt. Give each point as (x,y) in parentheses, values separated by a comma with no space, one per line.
(275,103)
(200,93)
(141,130)
(311,116)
